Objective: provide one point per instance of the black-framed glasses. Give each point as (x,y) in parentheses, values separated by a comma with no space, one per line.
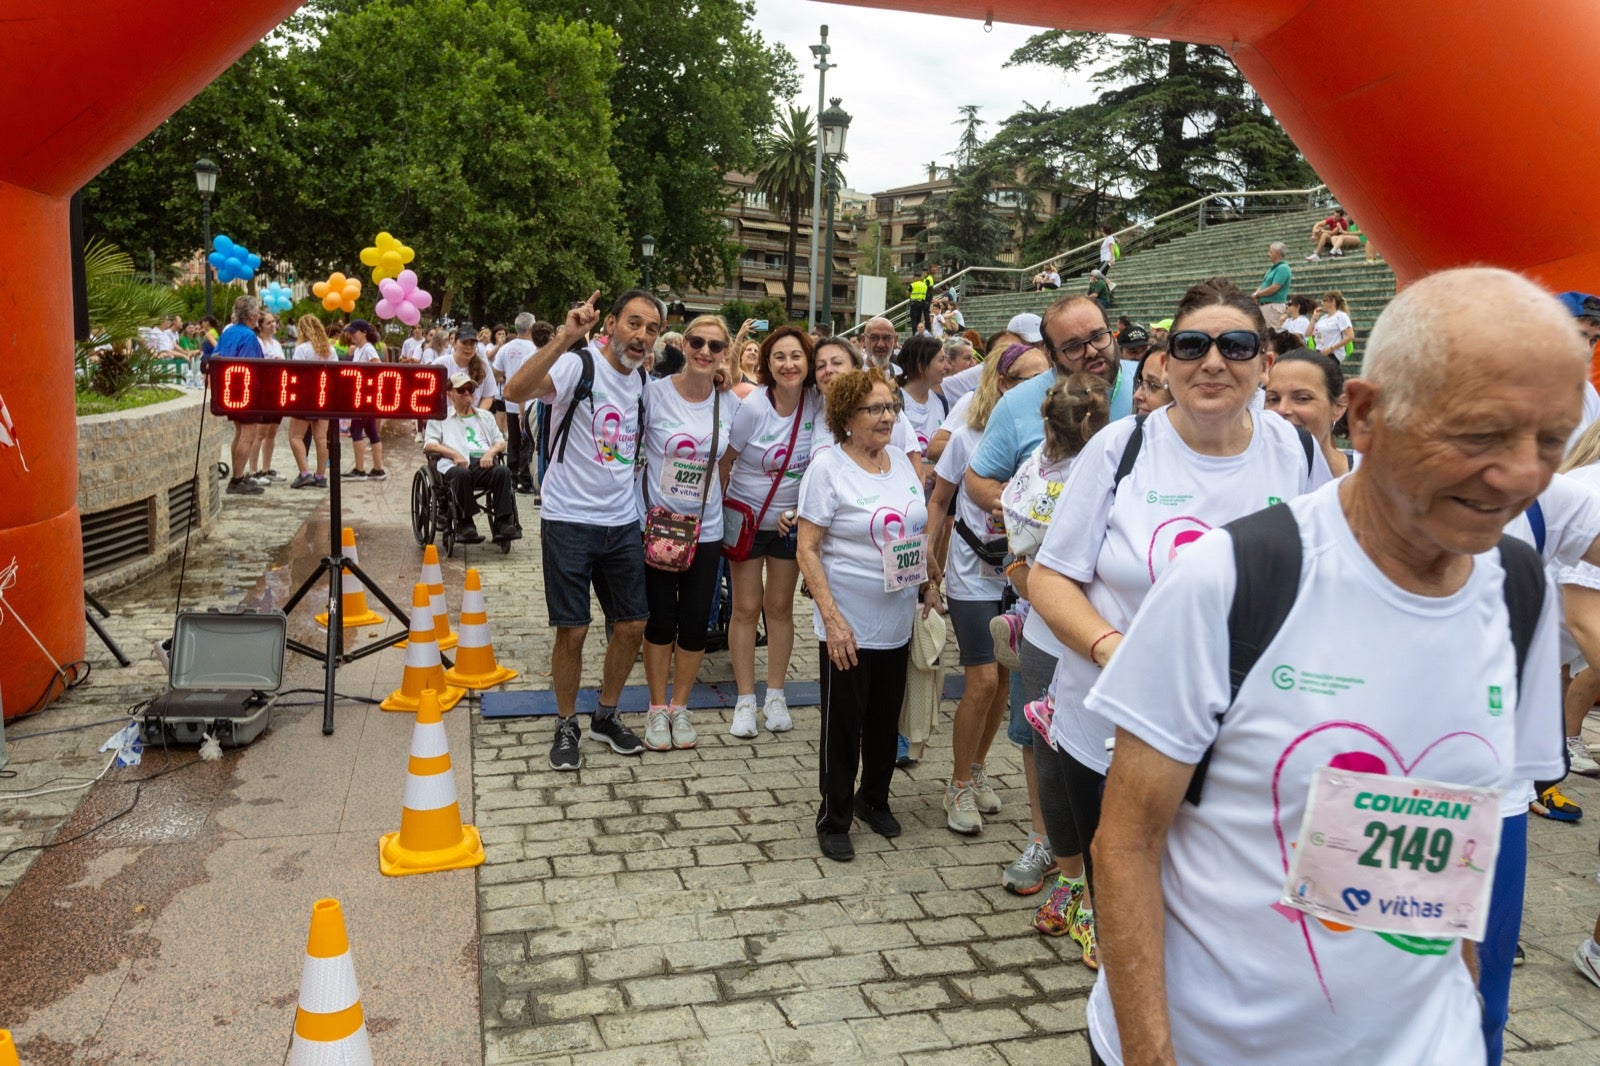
(1075,350)
(1237,345)
(878,410)
(694,344)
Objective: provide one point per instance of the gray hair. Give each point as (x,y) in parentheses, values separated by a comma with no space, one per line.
(1409,350)
(1279,247)
(244,307)
(954,341)
(523,323)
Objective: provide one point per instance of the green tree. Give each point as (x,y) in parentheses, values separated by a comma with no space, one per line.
(967,146)
(121,303)
(785,176)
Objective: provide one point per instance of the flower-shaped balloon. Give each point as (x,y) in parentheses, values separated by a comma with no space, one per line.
(386,256)
(338,293)
(234,262)
(402,299)
(275,296)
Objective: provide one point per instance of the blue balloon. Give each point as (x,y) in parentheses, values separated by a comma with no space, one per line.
(277,297)
(233,262)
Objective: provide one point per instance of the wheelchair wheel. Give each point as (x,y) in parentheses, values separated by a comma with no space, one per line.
(422,519)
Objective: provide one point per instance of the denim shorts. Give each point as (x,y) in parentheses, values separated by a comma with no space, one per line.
(611,558)
(770,544)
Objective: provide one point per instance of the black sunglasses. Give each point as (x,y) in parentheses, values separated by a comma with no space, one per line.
(1237,345)
(696,343)
(465,389)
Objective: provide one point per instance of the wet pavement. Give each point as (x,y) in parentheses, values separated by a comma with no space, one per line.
(670,908)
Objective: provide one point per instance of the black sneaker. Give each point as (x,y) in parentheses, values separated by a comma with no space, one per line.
(879,820)
(467,533)
(243,486)
(564,753)
(356,472)
(610,730)
(377,473)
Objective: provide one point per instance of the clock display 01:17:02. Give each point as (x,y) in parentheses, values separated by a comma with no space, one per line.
(314,388)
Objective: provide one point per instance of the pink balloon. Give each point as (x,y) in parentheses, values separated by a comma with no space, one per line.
(421,298)
(385,309)
(409,314)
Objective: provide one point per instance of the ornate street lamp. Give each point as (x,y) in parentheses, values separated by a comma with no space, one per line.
(205,176)
(647,252)
(835,124)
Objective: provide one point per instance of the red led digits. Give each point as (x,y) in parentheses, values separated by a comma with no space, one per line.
(354,372)
(422,397)
(387,378)
(236,382)
(322,390)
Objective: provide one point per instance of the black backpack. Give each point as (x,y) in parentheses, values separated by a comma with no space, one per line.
(557,442)
(1266,560)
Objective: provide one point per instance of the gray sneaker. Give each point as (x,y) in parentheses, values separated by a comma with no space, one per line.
(983,792)
(683,734)
(657,730)
(1026,874)
(961,810)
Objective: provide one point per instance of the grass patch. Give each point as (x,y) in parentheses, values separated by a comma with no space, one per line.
(92,403)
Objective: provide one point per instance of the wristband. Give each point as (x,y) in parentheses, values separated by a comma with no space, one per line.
(1097,640)
(1015,563)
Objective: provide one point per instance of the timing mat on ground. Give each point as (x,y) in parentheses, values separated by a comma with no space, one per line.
(636,698)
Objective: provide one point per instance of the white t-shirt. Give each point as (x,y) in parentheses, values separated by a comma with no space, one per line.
(1108,252)
(411,348)
(508,359)
(958,414)
(964,383)
(761,437)
(862,512)
(1117,546)
(304,350)
(470,436)
(1246,982)
(272,348)
(1329,329)
(925,417)
(366,353)
(488,388)
(677,438)
(968,577)
(594,485)
(1299,325)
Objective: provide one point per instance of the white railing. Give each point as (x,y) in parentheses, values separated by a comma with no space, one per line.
(1195,215)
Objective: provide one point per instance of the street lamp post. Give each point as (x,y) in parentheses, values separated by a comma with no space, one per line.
(647,252)
(821,52)
(205,176)
(834,123)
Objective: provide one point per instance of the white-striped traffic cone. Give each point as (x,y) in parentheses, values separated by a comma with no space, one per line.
(353,594)
(329,1029)
(423,667)
(431,836)
(433,577)
(475,666)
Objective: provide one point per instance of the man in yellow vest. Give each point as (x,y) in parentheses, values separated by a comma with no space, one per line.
(920,288)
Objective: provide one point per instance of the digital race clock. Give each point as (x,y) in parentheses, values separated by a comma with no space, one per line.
(315,388)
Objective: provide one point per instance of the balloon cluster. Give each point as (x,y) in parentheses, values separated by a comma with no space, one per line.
(386,256)
(275,296)
(338,293)
(234,262)
(402,299)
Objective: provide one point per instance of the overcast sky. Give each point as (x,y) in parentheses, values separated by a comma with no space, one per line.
(901,77)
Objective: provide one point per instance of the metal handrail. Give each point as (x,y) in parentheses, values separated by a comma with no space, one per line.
(1137,229)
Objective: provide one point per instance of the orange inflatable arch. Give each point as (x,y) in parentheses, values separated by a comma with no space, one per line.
(1455,135)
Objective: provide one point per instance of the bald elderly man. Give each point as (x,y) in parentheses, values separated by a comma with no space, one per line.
(1270,882)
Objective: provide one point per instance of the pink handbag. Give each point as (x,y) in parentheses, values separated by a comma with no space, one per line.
(670,538)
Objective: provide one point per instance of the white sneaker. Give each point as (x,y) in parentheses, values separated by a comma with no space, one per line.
(744,719)
(1587,960)
(983,794)
(1313,257)
(683,734)
(657,730)
(961,809)
(1582,761)
(1337,251)
(776,713)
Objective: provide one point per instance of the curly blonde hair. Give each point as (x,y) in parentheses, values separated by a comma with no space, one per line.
(847,392)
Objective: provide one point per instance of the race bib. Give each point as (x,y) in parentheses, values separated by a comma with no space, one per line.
(682,480)
(905,563)
(1396,855)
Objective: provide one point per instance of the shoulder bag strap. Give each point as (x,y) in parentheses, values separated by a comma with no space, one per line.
(794,435)
(711,459)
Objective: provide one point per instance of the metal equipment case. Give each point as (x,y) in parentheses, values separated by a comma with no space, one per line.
(224,665)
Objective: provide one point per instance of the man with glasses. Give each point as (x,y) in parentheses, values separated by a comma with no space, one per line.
(878,342)
(464,447)
(589,528)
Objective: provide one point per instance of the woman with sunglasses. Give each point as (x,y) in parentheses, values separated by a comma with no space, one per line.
(1203,460)
(864,550)
(761,474)
(686,416)
(975,588)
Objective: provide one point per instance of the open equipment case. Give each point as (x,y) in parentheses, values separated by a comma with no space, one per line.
(223,667)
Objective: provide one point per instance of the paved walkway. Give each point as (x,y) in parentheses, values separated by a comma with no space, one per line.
(668,909)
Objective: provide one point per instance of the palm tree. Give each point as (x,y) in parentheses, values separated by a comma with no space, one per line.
(785,177)
(120,305)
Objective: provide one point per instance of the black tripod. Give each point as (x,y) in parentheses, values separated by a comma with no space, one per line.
(334,565)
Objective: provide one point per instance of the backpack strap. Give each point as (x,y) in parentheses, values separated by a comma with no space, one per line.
(1310,446)
(1535,515)
(1130,452)
(1266,562)
(1524,593)
(584,391)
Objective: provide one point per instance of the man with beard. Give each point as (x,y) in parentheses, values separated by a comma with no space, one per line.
(589,530)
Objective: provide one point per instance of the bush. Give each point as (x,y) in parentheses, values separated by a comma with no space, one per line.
(734,312)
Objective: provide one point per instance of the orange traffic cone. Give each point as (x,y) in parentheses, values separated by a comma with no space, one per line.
(431,835)
(329,1029)
(475,666)
(353,594)
(8,1049)
(423,668)
(433,577)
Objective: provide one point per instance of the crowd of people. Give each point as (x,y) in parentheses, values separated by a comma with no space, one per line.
(1056,491)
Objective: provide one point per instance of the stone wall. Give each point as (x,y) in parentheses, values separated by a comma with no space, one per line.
(129,458)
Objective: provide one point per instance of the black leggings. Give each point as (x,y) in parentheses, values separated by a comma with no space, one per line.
(680,603)
(860,714)
(1084,788)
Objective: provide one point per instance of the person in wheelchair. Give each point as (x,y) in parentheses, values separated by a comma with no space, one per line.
(465,446)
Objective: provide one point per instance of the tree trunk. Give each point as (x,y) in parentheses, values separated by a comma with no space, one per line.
(788,260)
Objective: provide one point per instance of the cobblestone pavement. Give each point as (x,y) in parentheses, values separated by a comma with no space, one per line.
(673,908)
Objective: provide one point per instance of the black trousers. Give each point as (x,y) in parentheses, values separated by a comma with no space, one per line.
(460,481)
(519,451)
(860,718)
(919,312)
